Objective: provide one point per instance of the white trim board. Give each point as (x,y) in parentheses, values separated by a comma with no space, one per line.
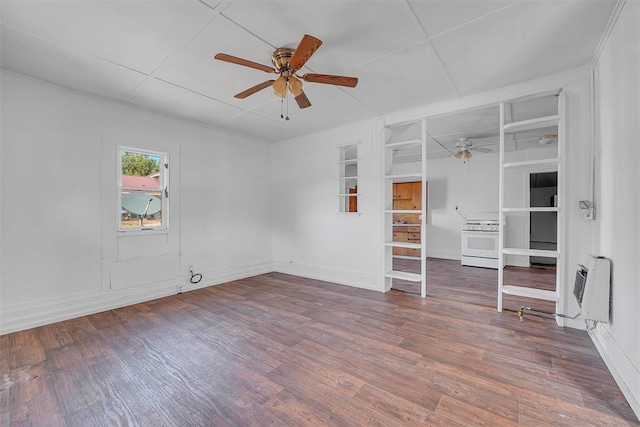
(356,279)
(619,365)
(19,317)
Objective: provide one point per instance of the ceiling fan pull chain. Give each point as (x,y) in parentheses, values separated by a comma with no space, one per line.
(287,95)
(282,108)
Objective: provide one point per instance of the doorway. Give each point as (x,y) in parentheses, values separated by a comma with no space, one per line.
(543,226)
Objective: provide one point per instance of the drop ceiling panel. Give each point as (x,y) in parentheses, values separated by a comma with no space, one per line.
(386,86)
(475,46)
(137,34)
(330,107)
(438,16)
(178,102)
(256,126)
(520,43)
(34,57)
(352,32)
(194,67)
(478,123)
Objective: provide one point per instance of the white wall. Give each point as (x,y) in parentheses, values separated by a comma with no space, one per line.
(60,253)
(310,237)
(618,109)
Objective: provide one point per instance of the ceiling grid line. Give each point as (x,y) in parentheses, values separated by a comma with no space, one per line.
(73,49)
(158,55)
(474,20)
(177,50)
(430,46)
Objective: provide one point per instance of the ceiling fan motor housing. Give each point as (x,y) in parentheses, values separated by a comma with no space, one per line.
(281,57)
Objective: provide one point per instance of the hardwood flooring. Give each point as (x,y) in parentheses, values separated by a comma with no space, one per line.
(282,350)
(448,279)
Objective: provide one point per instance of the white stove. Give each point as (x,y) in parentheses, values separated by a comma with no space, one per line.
(489,225)
(480,241)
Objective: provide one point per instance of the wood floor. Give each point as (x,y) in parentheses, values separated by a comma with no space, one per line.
(282,350)
(448,279)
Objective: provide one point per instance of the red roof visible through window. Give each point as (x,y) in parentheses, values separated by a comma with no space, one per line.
(129,181)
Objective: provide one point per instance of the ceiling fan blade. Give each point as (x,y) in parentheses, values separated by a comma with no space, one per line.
(307,46)
(254,89)
(244,62)
(330,79)
(481,150)
(302,100)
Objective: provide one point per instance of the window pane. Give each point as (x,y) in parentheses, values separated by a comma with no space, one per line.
(140,209)
(142,189)
(140,171)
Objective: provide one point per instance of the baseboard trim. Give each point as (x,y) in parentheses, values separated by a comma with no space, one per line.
(443,254)
(356,279)
(622,369)
(19,317)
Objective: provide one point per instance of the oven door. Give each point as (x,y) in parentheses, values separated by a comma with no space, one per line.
(482,244)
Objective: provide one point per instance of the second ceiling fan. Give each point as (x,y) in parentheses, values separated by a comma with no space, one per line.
(287,63)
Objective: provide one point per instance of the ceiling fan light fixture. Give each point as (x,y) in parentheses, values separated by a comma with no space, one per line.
(548,139)
(280,87)
(295,86)
(467,154)
(458,155)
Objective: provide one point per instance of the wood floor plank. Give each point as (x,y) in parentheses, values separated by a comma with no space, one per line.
(33,397)
(404,411)
(466,414)
(25,348)
(282,350)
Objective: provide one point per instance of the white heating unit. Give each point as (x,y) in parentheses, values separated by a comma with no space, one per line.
(591,288)
(480,241)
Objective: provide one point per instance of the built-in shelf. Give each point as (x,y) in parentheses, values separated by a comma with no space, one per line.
(403,144)
(537,123)
(404,202)
(405,176)
(403,211)
(348,161)
(531,252)
(407,245)
(348,178)
(403,275)
(521,291)
(528,163)
(534,209)
(552,123)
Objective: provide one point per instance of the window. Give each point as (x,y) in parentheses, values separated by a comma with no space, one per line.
(143,189)
(348,178)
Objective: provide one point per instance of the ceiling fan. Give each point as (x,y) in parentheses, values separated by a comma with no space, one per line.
(464,147)
(287,63)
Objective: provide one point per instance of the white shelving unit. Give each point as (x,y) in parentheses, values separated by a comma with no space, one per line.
(552,164)
(348,178)
(407,136)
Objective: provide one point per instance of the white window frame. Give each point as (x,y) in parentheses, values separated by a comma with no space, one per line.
(164,186)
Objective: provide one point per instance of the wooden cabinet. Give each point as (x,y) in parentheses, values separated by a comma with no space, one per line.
(407,195)
(403,191)
(410,234)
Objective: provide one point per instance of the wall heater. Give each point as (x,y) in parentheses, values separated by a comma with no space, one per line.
(591,288)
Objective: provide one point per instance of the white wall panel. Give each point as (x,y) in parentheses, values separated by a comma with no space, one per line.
(60,251)
(618,201)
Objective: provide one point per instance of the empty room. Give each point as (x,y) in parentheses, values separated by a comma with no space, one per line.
(302,213)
